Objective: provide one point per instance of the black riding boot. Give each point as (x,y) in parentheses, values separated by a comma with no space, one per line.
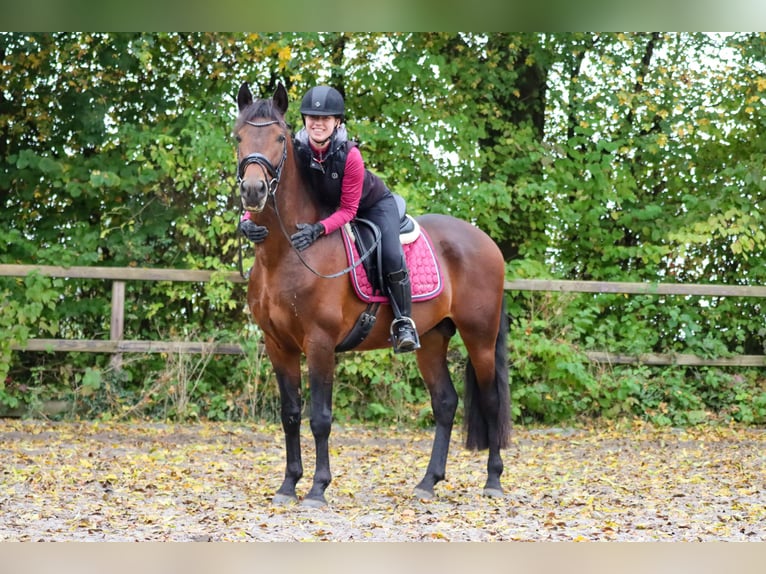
(404,335)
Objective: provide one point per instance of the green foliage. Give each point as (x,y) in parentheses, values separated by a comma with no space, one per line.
(20,318)
(590,156)
(553,380)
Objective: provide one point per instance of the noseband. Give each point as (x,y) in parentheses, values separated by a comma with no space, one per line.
(275,173)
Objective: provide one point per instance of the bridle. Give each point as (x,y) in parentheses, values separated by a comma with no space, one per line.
(275,173)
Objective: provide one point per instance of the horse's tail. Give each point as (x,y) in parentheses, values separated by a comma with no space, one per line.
(495,408)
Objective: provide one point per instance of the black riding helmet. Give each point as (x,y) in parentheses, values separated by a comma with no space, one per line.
(323,101)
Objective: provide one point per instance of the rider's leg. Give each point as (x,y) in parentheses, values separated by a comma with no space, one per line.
(404,334)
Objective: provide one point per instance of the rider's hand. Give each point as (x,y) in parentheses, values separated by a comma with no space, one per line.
(255,233)
(306,235)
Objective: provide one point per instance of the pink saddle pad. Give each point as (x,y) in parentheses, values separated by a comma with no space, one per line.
(425,273)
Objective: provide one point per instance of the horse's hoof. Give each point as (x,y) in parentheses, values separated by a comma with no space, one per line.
(423,494)
(493,493)
(284,499)
(314,502)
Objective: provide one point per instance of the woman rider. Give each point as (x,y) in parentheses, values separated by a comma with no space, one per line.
(335,169)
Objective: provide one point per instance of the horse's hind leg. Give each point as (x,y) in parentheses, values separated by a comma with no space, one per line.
(487,398)
(432,360)
(489,410)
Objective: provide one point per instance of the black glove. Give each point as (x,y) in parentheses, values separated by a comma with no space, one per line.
(255,233)
(306,235)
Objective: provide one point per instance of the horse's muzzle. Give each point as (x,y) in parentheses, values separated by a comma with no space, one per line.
(253,193)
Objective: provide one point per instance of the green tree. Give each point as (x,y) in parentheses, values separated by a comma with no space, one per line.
(631,157)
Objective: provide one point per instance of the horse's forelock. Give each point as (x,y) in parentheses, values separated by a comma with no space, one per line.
(263,109)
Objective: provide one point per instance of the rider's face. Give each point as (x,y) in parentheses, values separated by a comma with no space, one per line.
(320,129)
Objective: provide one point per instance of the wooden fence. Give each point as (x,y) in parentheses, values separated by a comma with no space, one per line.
(116,345)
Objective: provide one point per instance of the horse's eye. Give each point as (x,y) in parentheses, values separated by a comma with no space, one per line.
(281,138)
(239,139)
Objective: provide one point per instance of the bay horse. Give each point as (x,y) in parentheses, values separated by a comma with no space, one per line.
(302,311)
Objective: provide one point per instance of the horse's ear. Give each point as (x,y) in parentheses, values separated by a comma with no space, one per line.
(280,98)
(244,97)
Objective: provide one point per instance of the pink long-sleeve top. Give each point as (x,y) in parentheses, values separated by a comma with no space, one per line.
(351,192)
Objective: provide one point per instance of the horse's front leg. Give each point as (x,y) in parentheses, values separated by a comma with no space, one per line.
(321,368)
(288,375)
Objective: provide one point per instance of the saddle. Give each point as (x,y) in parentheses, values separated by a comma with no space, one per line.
(365,236)
(360,239)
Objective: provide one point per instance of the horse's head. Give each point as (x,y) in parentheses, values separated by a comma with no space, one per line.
(263,136)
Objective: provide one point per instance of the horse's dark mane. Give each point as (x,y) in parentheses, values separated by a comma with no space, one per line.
(262,109)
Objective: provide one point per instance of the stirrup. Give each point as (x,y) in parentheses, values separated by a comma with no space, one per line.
(411,343)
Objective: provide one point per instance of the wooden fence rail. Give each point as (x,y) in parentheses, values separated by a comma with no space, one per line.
(116,345)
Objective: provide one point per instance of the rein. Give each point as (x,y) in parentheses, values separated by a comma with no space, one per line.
(308,266)
(276,174)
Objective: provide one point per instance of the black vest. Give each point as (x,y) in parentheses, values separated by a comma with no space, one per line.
(326,178)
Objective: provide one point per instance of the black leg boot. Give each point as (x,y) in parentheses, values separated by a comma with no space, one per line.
(404,335)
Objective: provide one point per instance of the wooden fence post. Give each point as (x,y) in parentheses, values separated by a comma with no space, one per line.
(117,327)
